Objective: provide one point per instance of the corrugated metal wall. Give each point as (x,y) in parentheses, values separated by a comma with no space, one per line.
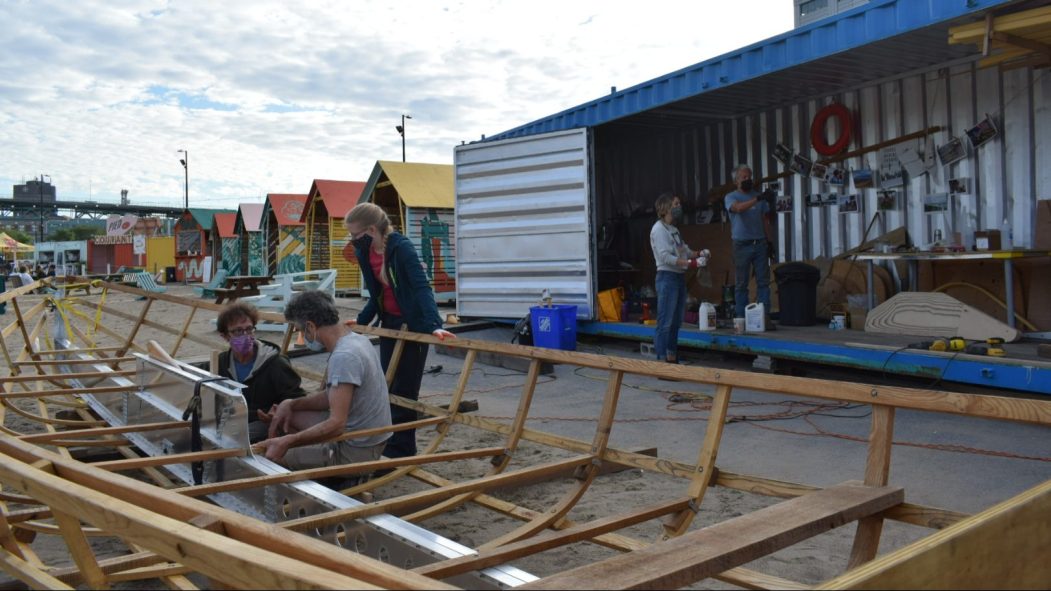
(1006,176)
(523,224)
(433,232)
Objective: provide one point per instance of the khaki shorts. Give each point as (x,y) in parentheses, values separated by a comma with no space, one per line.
(321,455)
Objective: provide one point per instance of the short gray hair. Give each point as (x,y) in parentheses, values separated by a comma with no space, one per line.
(737,169)
(312,306)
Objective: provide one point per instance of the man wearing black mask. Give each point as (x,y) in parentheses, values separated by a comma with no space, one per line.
(752,239)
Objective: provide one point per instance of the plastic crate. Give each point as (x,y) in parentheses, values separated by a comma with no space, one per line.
(554,327)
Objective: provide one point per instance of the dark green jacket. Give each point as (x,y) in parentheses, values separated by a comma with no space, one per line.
(406,277)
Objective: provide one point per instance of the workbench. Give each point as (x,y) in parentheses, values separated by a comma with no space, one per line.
(913,258)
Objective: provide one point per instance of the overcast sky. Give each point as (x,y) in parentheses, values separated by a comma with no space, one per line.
(268,96)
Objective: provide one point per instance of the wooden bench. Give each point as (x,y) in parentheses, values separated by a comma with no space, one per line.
(706,552)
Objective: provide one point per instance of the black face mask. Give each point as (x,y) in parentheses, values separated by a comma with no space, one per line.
(362,242)
(746,185)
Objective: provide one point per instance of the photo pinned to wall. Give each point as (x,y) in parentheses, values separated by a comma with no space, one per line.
(983,132)
(836,176)
(862,178)
(936,203)
(819,172)
(830,198)
(848,203)
(887,200)
(801,165)
(782,154)
(784,205)
(890,171)
(912,162)
(952,151)
(814,200)
(958,186)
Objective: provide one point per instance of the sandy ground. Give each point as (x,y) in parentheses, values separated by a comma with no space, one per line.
(762,441)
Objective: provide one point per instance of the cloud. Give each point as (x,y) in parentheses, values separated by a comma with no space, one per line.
(267,96)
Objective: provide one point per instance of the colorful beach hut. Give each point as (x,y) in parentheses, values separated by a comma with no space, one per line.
(327,244)
(193,242)
(226,251)
(249,229)
(419,200)
(285,232)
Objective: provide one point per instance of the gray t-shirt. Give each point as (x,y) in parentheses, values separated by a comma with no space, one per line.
(746,225)
(355,361)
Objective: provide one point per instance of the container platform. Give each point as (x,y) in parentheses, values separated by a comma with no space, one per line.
(1021,370)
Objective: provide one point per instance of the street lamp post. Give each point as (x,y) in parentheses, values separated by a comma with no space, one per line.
(40,225)
(185,161)
(401,130)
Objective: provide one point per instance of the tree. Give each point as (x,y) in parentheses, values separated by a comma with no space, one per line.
(75,233)
(20,236)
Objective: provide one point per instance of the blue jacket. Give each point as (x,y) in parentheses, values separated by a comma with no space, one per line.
(406,277)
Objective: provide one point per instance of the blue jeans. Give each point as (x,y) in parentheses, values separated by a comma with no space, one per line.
(671,304)
(750,255)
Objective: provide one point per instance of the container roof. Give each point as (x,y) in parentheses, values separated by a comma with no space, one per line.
(249,217)
(224,223)
(287,208)
(417,184)
(877,40)
(339,196)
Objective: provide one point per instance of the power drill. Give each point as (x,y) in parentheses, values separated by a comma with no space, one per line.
(941,344)
(992,347)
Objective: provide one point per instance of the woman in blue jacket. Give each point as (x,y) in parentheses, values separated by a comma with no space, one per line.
(399,294)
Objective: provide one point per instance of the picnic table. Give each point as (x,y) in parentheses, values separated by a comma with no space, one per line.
(239,286)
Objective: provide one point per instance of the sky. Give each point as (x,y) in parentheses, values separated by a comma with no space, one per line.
(267,96)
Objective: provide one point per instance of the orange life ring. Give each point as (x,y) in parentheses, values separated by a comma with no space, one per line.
(817,130)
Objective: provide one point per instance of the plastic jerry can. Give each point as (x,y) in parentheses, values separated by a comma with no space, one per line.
(707,316)
(755,317)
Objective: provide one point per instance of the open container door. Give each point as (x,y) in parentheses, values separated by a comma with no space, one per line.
(523,225)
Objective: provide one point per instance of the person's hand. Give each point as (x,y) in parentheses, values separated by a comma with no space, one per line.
(442,334)
(275,448)
(280,418)
(351,322)
(770,252)
(267,416)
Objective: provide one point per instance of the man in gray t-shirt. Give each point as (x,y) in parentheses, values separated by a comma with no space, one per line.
(353,397)
(752,237)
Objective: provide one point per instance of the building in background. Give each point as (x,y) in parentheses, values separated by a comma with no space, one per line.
(808,11)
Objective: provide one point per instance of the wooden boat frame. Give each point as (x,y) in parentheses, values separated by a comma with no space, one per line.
(171,533)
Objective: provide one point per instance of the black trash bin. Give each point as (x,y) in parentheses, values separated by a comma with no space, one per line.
(169,275)
(797,293)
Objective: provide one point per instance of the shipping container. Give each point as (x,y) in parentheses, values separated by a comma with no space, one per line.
(565,203)
(419,199)
(69,257)
(107,254)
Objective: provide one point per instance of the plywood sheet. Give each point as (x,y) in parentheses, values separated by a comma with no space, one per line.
(936,315)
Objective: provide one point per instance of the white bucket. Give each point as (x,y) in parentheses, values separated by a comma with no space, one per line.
(755,318)
(707,316)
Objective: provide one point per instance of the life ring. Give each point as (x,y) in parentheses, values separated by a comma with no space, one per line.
(817,130)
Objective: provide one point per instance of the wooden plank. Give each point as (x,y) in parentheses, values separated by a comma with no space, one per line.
(339,470)
(80,550)
(935,315)
(62,391)
(469,488)
(997,407)
(702,475)
(162,504)
(581,532)
(50,362)
(1003,547)
(167,460)
(29,574)
(877,473)
(66,376)
(103,431)
(703,553)
(211,554)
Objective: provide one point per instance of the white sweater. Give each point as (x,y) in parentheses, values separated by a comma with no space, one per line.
(668,247)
